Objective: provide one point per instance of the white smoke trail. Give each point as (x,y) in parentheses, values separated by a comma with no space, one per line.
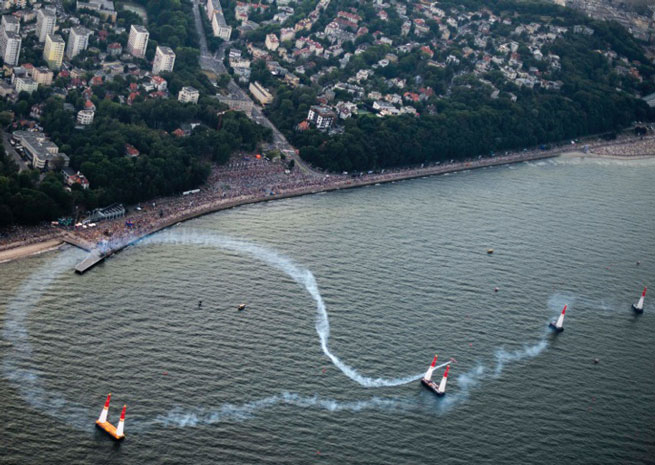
(528,351)
(18,366)
(470,380)
(301,275)
(20,370)
(239,412)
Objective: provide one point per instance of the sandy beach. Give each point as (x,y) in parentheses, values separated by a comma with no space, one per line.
(28,250)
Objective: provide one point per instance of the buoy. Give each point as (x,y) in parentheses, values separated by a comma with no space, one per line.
(495,289)
(639,306)
(596,361)
(559,325)
(113,431)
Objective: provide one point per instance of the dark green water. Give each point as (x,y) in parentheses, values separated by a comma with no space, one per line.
(403,273)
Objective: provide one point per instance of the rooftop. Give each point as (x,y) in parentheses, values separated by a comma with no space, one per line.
(81,30)
(56,38)
(166,50)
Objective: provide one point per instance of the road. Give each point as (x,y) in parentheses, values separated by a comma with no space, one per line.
(208,61)
(215,63)
(11,151)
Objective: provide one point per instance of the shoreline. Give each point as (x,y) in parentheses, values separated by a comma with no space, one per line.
(600,156)
(52,241)
(29,250)
(339,184)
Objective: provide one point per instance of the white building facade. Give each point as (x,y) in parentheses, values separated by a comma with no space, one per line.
(10,23)
(138,41)
(164,60)
(188,95)
(10,43)
(46,20)
(215,15)
(25,84)
(85,117)
(78,40)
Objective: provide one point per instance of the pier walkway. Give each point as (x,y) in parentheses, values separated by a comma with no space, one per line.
(91,260)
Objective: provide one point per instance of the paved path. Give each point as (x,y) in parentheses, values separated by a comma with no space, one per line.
(214,63)
(208,61)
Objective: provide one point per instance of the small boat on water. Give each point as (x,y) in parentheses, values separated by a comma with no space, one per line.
(241,307)
(490,251)
(558,326)
(639,306)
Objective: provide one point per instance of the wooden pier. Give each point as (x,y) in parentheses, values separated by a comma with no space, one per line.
(91,260)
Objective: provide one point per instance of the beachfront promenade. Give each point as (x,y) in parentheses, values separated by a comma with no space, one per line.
(164,215)
(242,182)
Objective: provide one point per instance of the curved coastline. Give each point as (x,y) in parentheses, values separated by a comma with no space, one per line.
(120,243)
(21,249)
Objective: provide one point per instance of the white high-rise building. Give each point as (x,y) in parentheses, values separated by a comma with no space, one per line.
(164,60)
(10,23)
(10,41)
(78,40)
(220,27)
(46,19)
(10,47)
(53,53)
(138,41)
(217,19)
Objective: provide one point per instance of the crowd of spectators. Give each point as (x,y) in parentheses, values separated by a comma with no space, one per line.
(20,235)
(247,179)
(637,148)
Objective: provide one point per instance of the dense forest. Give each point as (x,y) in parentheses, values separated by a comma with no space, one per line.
(25,200)
(370,142)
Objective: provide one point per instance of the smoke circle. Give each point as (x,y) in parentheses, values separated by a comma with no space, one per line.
(18,368)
